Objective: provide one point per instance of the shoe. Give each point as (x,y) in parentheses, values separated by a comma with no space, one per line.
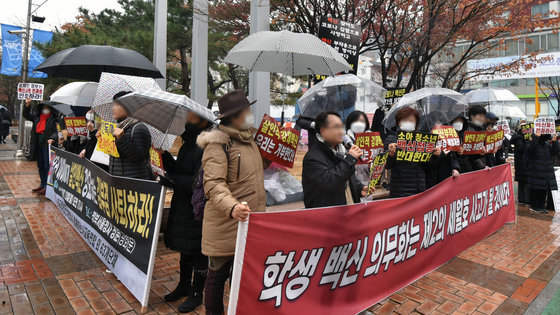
(37,189)
(190,303)
(535,210)
(543,210)
(179,292)
(42,191)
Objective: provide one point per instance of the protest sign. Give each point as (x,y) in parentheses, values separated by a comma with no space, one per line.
(118,217)
(106,143)
(448,139)
(556,193)
(34,91)
(75,126)
(503,125)
(156,161)
(474,142)
(545,126)
(378,248)
(343,37)
(494,140)
(415,146)
(558,129)
(371,145)
(277,144)
(527,130)
(376,169)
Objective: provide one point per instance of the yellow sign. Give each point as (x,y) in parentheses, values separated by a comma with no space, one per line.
(106,143)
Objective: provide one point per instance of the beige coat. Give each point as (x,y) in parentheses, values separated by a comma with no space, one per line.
(229,179)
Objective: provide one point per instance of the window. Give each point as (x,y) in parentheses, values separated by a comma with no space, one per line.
(532,44)
(512,48)
(541,9)
(553,42)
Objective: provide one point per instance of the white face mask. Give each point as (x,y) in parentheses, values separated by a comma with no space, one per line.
(46,111)
(477,123)
(90,117)
(249,121)
(407,126)
(358,127)
(458,125)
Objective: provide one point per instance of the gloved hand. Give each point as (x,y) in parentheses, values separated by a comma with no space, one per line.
(164,181)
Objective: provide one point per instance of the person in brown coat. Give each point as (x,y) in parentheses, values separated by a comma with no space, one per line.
(234,187)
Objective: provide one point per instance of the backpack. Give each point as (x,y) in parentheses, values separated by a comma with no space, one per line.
(198,198)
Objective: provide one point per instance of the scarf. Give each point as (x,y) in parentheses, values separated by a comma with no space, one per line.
(41,125)
(124,123)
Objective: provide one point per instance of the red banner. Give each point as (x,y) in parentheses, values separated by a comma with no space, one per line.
(75,126)
(494,140)
(474,142)
(277,144)
(371,144)
(448,138)
(341,260)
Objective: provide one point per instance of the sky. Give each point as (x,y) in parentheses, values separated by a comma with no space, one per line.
(57,12)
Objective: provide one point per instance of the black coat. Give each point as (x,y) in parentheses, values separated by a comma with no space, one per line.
(473,162)
(134,153)
(50,131)
(184,231)
(540,169)
(325,175)
(407,178)
(91,142)
(520,144)
(6,122)
(442,168)
(495,159)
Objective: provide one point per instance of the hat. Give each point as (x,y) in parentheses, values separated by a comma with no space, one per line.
(233,102)
(491,116)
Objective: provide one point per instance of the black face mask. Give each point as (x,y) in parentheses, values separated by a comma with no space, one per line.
(190,130)
(544,138)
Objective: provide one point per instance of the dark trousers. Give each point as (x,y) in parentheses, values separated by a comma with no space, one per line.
(214,289)
(522,192)
(537,199)
(189,264)
(42,155)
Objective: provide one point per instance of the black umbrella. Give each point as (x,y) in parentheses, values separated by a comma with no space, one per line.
(87,62)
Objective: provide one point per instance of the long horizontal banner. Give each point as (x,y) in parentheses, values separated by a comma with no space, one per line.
(117,217)
(341,260)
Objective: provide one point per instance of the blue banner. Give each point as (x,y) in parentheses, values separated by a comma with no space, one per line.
(36,57)
(11,51)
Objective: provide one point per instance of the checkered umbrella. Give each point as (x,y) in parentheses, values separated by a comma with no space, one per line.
(163,110)
(110,84)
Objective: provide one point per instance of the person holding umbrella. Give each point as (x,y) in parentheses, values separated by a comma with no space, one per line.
(133,142)
(477,119)
(43,133)
(184,231)
(234,186)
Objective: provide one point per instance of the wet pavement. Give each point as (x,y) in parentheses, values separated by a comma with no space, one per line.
(46,268)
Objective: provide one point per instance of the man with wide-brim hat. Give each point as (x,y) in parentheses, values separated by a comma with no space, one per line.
(234,187)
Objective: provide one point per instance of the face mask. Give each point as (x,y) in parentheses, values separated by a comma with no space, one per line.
(358,127)
(477,123)
(90,117)
(46,111)
(458,126)
(249,121)
(407,126)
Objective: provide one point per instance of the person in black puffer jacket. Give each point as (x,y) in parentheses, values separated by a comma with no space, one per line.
(184,231)
(407,178)
(477,119)
(43,133)
(133,142)
(540,151)
(519,143)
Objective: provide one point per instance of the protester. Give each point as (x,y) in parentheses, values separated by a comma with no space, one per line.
(133,142)
(356,122)
(539,157)
(328,175)
(234,186)
(519,143)
(184,231)
(477,119)
(43,133)
(495,159)
(407,178)
(447,163)
(6,123)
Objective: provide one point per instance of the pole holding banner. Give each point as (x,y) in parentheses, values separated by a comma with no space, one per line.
(146,296)
(537,103)
(19,151)
(240,242)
